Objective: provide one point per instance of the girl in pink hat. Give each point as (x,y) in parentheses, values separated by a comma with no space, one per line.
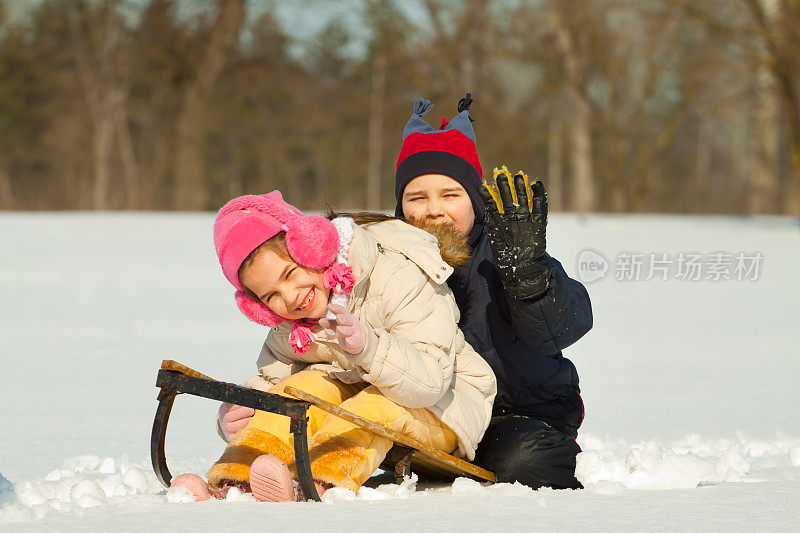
(362,317)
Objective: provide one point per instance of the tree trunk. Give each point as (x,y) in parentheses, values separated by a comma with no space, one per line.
(583,193)
(702,164)
(779,23)
(6,190)
(583,177)
(95,68)
(233,174)
(130,167)
(191,191)
(101,160)
(762,192)
(555,166)
(375,143)
(789,185)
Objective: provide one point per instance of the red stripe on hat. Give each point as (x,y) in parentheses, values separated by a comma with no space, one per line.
(451,141)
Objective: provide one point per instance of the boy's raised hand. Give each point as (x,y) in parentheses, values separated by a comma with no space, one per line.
(516,222)
(350,333)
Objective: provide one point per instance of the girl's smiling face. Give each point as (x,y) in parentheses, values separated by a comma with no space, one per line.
(439,199)
(288,289)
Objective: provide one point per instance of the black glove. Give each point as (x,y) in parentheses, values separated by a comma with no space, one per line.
(516,232)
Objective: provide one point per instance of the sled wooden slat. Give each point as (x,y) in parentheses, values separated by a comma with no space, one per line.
(427,457)
(169,364)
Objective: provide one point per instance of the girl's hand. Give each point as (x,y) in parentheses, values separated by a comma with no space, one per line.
(350,333)
(233,418)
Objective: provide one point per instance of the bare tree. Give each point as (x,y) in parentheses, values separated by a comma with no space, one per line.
(762,197)
(96,44)
(375,142)
(461,38)
(555,167)
(778,22)
(666,105)
(130,166)
(6,190)
(191,189)
(574,59)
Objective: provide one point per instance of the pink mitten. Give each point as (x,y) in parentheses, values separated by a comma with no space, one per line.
(233,418)
(350,333)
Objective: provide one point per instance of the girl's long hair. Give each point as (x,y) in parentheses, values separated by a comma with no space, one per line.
(363,217)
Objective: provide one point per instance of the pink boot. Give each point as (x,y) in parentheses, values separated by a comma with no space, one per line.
(322,487)
(201,491)
(271,481)
(194,484)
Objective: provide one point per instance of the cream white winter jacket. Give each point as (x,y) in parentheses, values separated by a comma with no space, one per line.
(415,353)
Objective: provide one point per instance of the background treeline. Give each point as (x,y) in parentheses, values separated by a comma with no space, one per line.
(619,105)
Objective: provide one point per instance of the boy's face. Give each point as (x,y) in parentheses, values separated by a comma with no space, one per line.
(288,289)
(439,199)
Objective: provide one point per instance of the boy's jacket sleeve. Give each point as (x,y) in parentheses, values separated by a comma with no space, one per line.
(555,320)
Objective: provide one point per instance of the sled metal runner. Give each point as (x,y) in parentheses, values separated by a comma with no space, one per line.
(174,378)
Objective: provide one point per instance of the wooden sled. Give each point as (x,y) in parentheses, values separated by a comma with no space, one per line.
(407,454)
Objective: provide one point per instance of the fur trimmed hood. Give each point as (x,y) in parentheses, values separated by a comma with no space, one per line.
(453,247)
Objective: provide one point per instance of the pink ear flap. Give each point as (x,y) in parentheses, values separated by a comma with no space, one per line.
(257,311)
(312,241)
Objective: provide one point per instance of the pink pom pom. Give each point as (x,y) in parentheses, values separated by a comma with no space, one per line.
(257,311)
(312,241)
(339,277)
(301,337)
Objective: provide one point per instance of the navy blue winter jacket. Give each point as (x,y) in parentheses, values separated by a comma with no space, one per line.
(522,340)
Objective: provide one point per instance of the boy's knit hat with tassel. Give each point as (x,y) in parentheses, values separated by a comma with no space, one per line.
(451,150)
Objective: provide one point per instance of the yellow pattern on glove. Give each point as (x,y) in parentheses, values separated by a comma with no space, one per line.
(491,186)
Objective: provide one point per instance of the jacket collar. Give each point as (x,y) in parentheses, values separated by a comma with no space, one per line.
(475,233)
(415,244)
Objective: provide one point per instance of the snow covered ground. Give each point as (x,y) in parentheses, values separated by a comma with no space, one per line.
(691,412)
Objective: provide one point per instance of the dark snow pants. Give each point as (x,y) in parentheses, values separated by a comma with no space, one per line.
(519,448)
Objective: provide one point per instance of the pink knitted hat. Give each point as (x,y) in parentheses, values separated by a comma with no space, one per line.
(246,222)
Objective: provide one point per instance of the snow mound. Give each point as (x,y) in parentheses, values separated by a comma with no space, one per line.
(384,492)
(606,466)
(794,456)
(82,482)
(462,488)
(6,490)
(235,495)
(179,494)
(87,493)
(686,463)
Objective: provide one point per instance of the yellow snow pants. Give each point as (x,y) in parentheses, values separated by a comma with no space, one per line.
(341,453)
